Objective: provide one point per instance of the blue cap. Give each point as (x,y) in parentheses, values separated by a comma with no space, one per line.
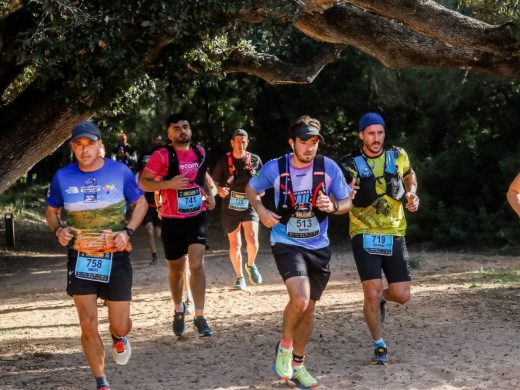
(370,118)
(86,130)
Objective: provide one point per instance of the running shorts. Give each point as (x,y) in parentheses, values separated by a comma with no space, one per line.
(119,287)
(293,260)
(151,216)
(178,234)
(231,218)
(395,267)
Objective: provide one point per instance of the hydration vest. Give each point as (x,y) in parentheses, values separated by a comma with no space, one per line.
(231,166)
(366,195)
(287,201)
(173,165)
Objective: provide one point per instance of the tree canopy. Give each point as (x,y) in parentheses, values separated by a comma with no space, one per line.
(64,61)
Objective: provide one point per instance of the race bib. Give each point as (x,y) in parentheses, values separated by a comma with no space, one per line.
(303,224)
(238,201)
(95,267)
(376,244)
(189,201)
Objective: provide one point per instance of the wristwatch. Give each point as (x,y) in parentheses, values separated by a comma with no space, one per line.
(129,231)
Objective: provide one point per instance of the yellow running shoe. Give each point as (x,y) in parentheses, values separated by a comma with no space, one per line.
(282,366)
(303,379)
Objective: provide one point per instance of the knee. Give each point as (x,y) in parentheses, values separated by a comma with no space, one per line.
(300,304)
(373,296)
(234,246)
(121,329)
(89,326)
(402,297)
(196,267)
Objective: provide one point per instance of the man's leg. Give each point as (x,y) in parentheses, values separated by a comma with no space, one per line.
(373,292)
(304,329)
(251,235)
(119,326)
(86,306)
(198,287)
(197,277)
(299,299)
(397,292)
(235,255)
(150,239)
(175,277)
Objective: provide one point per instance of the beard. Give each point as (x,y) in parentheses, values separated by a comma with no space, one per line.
(304,158)
(182,140)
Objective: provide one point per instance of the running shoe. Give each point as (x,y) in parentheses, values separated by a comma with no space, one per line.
(383,310)
(189,306)
(240,284)
(179,327)
(202,327)
(103,388)
(254,274)
(282,365)
(380,357)
(302,378)
(121,351)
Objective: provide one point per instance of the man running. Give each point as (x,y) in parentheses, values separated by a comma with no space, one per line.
(186,195)
(383,178)
(94,192)
(302,182)
(231,174)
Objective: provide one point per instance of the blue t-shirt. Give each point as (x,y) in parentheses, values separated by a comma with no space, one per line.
(94,200)
(335,184)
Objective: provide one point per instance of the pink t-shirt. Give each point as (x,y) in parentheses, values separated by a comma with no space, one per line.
(185,203)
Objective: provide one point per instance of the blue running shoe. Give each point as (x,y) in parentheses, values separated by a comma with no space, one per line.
(254,275)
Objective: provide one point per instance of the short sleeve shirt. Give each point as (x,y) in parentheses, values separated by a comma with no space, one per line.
(386,215)
(302,180)
(94,200)
(241,176)
(188,167)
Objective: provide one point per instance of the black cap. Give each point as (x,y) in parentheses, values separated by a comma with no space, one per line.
(86,130)
(305,132)
(240,133)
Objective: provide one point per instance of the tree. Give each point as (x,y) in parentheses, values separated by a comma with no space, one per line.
(64,61)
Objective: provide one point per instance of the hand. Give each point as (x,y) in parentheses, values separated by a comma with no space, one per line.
(178,182)
(209,201)
(121,240)
(64,235)
(223,191)
(323,203)
(354,188)
(269,218)
(412,203)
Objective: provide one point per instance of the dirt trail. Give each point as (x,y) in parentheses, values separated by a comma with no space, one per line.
(459,331)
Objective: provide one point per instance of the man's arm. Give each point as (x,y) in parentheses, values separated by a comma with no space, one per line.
(513,196)
(410,184)
(62,233)
(209,191)
(139,209)
(148,183)
(268,218)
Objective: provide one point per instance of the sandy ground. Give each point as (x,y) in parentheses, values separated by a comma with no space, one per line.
(459,331)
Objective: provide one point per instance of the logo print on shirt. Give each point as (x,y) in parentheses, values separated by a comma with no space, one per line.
(90,190)
(303,200)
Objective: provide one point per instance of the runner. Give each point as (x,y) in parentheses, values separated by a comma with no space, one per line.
(151,221)
(94,192)
(302,183)
(186,194)
(231,174)
(384,178)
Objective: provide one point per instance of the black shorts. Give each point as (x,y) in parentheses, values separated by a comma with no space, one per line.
(395,267)
(231,218)
(151,216)
(178,234)
(119,287)
(293,260)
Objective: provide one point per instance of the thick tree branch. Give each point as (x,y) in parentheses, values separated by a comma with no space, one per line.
(398,46)
(275,71)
